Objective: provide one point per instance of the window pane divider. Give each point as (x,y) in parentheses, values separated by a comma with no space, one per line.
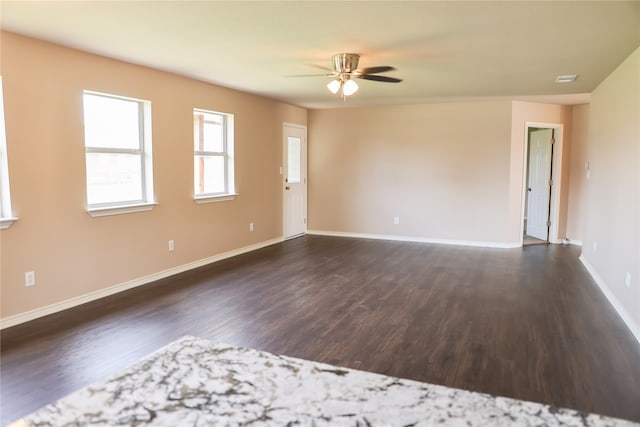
(209,153)
(135,151)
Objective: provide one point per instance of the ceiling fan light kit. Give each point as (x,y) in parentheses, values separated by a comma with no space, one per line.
(345,69)
(334,86)
(349,87)
(345,62)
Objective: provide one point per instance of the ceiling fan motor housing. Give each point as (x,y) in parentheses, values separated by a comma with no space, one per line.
(345,62)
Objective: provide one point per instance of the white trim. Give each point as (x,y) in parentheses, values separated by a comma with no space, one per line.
(118,210)
(5,191)
(211,199)
(294,125)
(82,299)
(416,239)
(556,174)
(6,222)
(622,312)
(575,242)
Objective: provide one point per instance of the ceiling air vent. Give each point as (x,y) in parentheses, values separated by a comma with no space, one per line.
(568,78)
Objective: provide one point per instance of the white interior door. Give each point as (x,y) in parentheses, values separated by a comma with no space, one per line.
(539,183)
(295,180)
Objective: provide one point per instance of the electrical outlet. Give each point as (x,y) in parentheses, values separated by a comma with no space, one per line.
(627,279)
(171,246)
(30,279)
(396,220)
(250,226)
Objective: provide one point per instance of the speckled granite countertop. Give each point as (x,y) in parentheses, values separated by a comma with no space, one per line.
(195,382)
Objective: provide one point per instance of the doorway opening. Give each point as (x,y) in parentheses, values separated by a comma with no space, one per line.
(543,151)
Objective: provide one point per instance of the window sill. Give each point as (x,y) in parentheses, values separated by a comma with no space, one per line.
(212,199)
(6,222)
(118,210)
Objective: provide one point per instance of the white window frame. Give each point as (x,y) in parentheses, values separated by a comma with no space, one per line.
(144,150)
(227,153)
(6,215)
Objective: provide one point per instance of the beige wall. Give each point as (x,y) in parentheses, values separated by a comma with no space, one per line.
(612,197)
(577,172)
(442,168)
(451,171)
(73,254)
(522,113)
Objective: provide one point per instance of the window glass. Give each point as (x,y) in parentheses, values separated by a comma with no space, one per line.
(113,178)
(213,137)
(210,174)
(293,160)
(111,122)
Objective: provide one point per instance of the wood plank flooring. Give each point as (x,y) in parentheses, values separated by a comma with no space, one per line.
(525,323)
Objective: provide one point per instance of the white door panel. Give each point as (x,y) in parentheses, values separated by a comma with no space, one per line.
(295,180)
(539,188)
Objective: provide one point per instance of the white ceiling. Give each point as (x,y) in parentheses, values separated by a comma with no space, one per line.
(442,50)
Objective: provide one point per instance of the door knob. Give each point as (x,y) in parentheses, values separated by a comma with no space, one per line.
(529,189)
(286,188)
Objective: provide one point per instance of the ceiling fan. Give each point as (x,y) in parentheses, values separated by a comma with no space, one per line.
(345,69)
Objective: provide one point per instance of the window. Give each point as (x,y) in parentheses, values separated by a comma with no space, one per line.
(6,217)
(117,135)
(213,155)
(294,158)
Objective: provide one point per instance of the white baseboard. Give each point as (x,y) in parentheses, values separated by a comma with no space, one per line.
(575,242)
(416,239)
(82,299)
(624,314)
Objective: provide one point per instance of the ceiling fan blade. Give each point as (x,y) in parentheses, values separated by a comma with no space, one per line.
(311,75)
(378,78)
(321,67)
(375,70)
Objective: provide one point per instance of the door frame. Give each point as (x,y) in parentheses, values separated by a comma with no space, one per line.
(303,128)
(556,176)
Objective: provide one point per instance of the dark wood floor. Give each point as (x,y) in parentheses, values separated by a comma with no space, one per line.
(525,323)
